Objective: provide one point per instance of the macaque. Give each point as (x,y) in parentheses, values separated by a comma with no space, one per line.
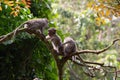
(69,46)
(55,39)
(34,24)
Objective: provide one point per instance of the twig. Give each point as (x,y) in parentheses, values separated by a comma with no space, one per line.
(72,71)
(82,61)
(87,62)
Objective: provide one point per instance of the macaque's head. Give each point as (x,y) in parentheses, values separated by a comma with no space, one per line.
(46,22)
(51,31)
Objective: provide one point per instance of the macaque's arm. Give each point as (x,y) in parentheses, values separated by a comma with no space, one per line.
(48,37)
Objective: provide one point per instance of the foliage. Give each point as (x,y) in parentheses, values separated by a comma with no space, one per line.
(104,9)
(9,16)
(27,57)
(15,62)
(15,6)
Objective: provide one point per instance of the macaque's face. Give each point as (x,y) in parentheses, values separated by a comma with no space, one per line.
(51,32)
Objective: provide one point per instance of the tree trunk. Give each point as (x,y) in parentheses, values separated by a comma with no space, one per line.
(60,71)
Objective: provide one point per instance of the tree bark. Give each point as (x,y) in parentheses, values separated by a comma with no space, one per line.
(60,70)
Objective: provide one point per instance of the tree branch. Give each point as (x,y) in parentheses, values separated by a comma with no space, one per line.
(9,35)
(94,51)
(88,62)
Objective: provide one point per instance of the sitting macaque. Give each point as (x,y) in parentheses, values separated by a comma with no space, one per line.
(69,46)
(55,39)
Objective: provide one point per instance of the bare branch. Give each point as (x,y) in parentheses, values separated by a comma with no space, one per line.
(94,51)
(73,72)
(80,64)
(82,61)
(87,62)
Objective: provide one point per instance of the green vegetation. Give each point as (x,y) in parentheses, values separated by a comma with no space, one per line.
(92,27)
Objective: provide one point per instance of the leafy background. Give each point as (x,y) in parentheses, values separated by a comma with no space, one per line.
(91,26)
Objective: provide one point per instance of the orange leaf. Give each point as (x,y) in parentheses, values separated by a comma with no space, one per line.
(90,4)
(107,13)
(96,8)
(9,3)
(109,18)
(101,13)
(98,23)
(98,19)
(103,21)
(0,8)
(17,2)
